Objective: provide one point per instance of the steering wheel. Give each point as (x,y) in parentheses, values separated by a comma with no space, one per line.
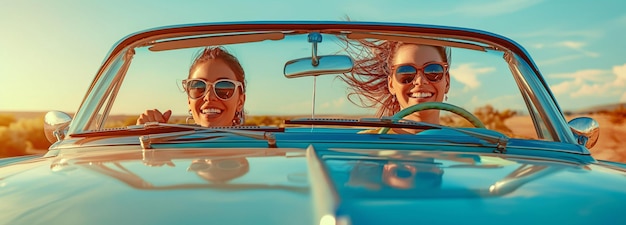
(435,105)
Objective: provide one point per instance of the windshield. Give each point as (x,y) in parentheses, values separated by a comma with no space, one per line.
(277,85)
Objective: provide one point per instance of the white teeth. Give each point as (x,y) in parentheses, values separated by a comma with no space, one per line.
(211,111)
(421,95)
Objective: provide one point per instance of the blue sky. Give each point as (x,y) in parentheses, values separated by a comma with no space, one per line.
(50,50)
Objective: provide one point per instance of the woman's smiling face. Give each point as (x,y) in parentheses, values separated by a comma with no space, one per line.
(209,110)
(420,89)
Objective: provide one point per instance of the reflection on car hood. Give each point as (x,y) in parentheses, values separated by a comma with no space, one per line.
(270,186)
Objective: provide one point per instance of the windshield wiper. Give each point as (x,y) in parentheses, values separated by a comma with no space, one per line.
(362,122)
(143,129)
(498,139)
(154,132)
(159,128)
(255,132)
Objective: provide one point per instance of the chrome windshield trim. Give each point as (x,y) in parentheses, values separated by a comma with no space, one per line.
(543,100)
(95,97)
(101,85)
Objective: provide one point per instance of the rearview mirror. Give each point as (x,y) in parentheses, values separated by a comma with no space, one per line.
(328,64)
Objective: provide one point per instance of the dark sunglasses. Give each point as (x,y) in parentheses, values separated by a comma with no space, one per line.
(433,71)
(224,89)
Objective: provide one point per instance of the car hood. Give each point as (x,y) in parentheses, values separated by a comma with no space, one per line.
(297,186)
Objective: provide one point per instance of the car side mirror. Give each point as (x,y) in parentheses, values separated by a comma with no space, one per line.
(586,131)
(56,124)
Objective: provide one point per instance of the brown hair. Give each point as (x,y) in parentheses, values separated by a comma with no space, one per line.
(218,52)
(372,65)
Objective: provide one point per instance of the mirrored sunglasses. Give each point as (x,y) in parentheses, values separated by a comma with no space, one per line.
(224,89)
(433,71)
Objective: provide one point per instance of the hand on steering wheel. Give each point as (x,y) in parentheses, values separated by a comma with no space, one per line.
(436,105)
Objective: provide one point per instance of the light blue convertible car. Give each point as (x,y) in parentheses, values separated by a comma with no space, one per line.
(305,145)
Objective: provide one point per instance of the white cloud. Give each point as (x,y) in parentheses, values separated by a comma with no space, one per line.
(467,75)
(620,73)
(563,87)
(572,44)
(593,82)
(590,90)
(591,74)
(578,46)
(498,102)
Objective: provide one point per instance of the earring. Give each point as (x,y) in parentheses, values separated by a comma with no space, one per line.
(445,97)
(238,120)
(190,117)
(393,98)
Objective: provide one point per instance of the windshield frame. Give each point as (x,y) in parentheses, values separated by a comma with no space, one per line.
(535,90)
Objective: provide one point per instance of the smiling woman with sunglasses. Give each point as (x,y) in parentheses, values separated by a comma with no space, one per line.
(395,75)
(215,91)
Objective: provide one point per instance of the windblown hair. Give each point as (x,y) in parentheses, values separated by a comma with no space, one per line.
(218,52)
(372,65)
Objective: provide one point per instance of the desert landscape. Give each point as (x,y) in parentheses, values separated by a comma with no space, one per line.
(611,144)
(21,133)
